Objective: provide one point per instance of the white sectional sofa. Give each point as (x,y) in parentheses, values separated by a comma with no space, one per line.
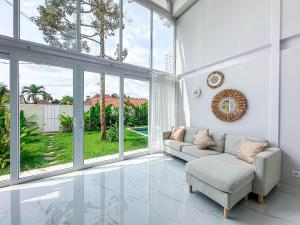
(217,173)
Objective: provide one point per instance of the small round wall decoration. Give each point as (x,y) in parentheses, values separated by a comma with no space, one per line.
(197,93)
(215,79)
(229,105)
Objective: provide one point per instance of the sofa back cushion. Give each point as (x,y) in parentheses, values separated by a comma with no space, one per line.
(190,133)
(249,150)
(219,139)
(233,143)
(177,134)
(204,140)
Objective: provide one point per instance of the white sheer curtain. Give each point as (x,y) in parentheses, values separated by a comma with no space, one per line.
(163,101)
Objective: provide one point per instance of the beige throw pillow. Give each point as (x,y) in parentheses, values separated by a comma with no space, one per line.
(204,140)
(177,134)
(249,150)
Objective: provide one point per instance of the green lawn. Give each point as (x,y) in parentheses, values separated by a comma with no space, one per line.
(53,149)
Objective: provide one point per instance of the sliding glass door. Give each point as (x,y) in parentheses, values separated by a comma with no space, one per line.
(136,107)
(101,117)
(4,120)
(114,117)
(46,118)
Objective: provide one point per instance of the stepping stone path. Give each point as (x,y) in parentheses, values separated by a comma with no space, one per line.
(51,155)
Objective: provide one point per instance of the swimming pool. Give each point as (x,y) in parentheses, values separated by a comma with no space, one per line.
(141,130)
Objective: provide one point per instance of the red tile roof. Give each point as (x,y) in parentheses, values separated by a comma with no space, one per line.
(115,101)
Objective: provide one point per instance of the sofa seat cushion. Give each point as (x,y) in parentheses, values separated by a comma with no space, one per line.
(194,151)
(177,145)
(223,171)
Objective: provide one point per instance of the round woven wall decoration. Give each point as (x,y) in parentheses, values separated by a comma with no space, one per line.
(229,105)
(215,79)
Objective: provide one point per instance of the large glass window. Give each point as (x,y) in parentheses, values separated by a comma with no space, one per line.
(101,117)
(136,99)
(136,34)
(4,120)
(163,44)
(49,22)
(46,118)
(100,38)
(6,17)
(54,23)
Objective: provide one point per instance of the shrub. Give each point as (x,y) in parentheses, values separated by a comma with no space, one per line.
(4,138)
(112,133)
(28,130)
(134,116)
(111,115)
(66,123)
(91,118)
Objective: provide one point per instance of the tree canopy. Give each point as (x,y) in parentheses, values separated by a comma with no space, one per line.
(33,92)
(99,21)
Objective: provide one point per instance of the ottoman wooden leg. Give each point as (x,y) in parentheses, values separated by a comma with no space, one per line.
(260,199)
(190,188)
(226,213)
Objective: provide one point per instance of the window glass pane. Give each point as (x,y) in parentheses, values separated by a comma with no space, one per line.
(99,146)
(6,17)
(46,118)
(163,37)
(136,98)
(136,34)
(4,120)
(93,34)
(49,22)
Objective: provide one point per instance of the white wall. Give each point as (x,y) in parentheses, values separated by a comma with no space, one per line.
(36,112)
(248,77)
(234,36)
(213,30)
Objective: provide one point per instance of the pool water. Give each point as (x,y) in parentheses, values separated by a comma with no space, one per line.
(142,130)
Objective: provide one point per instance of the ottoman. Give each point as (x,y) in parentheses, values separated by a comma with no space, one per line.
(223,178)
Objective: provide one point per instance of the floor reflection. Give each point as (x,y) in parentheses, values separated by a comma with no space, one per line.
(144,191)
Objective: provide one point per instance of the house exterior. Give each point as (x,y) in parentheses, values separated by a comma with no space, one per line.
(114,100)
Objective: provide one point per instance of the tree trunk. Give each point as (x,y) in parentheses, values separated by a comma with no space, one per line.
(102,108)
(102,85)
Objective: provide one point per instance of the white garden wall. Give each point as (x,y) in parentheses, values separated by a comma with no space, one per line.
(36,113)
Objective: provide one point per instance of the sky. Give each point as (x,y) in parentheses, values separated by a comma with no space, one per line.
(58,81)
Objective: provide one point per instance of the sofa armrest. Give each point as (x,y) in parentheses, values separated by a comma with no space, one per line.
(166,135)
(267,171)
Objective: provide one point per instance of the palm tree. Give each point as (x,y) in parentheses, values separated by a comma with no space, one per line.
(47,97)
(33,92)
(66,100)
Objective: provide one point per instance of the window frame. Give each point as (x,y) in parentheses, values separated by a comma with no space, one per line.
(14,49)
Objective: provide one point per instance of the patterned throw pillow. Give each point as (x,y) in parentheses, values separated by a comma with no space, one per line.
(204,140)
(177,134)
(249,149)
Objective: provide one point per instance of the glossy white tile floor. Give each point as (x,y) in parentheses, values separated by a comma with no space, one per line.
(149,190)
